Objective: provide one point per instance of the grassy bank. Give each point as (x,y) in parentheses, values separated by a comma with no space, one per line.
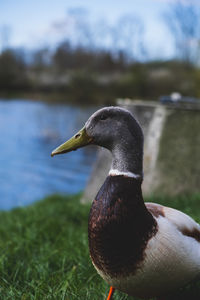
(44,252)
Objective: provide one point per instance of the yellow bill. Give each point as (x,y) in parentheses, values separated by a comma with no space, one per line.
(79,140)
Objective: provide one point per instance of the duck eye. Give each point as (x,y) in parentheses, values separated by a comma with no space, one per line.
(103,117)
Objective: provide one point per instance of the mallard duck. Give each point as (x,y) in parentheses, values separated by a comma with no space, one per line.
(142,249)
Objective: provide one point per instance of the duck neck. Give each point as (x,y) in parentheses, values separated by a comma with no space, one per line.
(127,160)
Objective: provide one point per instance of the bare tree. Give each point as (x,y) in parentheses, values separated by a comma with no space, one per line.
(124,36)
(82,28)
(183,21)
(76,28)
(127,37)
(5,34)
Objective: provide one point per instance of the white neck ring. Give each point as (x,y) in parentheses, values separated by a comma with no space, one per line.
(115,172)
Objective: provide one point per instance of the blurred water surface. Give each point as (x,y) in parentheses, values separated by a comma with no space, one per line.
(29,131)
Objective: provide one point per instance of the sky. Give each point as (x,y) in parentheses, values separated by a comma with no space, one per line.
(30,23)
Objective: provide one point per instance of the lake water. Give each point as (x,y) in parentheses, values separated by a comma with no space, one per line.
(29,131)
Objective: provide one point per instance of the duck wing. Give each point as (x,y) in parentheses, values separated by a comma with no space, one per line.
(183,223)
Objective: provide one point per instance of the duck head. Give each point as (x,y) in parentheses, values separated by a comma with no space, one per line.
(117,130)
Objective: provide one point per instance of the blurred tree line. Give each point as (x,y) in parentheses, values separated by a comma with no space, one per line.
(80,69)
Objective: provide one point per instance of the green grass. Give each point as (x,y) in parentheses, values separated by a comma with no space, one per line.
(44,252)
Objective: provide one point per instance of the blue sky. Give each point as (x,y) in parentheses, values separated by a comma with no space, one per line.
(31,21)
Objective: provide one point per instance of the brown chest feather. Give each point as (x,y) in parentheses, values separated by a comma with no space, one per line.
(119,226)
